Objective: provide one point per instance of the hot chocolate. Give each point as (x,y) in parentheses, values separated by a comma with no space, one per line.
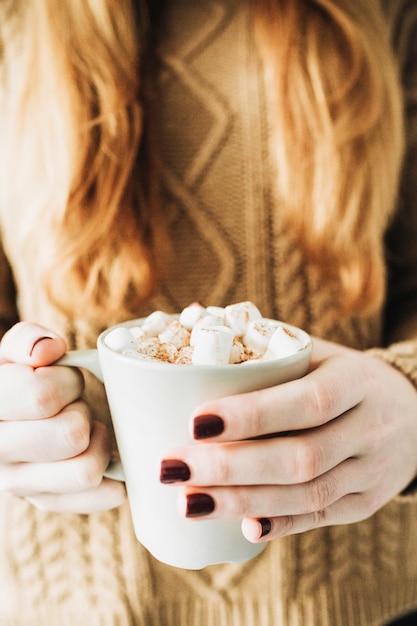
(235,334)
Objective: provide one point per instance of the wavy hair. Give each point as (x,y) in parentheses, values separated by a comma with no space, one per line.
(76,99)
(339,135)
(79,134)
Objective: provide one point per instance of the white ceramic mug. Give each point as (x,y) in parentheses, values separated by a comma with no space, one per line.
(150,404)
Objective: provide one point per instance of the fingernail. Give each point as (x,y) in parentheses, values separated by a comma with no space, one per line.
(199,504)
(206,426)
(173,470)
(35,343)
(266,526)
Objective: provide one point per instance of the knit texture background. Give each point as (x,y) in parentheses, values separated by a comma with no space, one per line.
(228,245)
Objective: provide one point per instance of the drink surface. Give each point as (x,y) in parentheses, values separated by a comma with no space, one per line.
(235,334)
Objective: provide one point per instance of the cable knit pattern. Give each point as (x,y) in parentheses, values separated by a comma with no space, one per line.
(229,244)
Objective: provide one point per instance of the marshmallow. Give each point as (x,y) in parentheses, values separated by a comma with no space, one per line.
(155,349)
(175,334)
(185,355)
(217,311)
(258,334)
(206,336)
(208,321)
(213,346)
(283,343)
(191,314)
(137,332)
(237,352)
(119,338)
(238,316)
(156,323)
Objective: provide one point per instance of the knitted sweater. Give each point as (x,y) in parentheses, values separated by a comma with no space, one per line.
(66,569)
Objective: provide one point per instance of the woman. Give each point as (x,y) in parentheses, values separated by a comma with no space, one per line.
(265,140)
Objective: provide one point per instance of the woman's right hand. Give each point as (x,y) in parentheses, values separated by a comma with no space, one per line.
(51,450)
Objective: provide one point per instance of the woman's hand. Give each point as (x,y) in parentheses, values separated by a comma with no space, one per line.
(346,445)
(51,451)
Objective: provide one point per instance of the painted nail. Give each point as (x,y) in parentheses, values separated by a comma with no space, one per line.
(173,470)
(35,343)
(199,504)
(206,426)
(266,526)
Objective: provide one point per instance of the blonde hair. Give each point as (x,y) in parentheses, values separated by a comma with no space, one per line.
(339,140)
(76,84)
(77,112)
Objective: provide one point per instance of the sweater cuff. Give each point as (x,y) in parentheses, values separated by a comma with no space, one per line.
(402,356)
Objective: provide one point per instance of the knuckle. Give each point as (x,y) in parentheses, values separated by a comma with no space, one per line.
(284,525)
(220,465)
(76,429)
(241,504)
(254,421)
(321,400)
(319,518)
(103,438)
(47,396)
(319,495)
(89,474)
(50,392)
(308,461)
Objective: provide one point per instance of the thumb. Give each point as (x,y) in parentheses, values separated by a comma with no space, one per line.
(31,344)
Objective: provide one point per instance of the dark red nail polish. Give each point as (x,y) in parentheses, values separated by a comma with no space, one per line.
(173,470)
(206,426)
(35,343)
(199,504)
(266,526)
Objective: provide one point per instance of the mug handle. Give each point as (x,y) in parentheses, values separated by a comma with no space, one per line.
(88,359)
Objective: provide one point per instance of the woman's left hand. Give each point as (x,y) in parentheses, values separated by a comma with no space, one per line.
(344,444)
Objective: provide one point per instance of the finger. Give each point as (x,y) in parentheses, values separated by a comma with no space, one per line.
(42,441)
(81,473)
(323,349)
(348,510)
(269,501)
(108,495)
(320,396)
(293,459)
(27,394)
(31,344)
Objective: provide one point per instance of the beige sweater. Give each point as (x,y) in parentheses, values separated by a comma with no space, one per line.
(66,570)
